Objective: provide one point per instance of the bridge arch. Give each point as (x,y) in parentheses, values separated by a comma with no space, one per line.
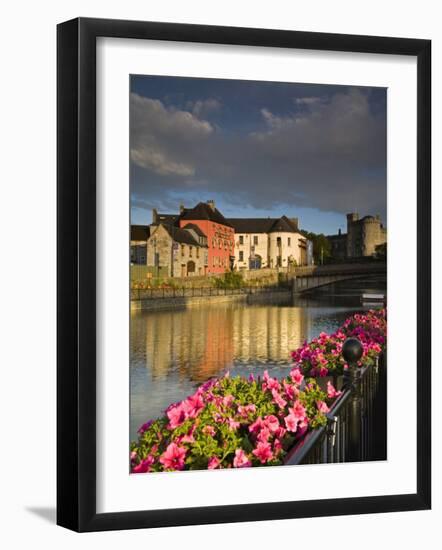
(319,277)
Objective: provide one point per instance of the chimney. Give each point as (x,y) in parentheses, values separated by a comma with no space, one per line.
(181,208)
(295,222)
(211,203)
(339,231)
(154,215)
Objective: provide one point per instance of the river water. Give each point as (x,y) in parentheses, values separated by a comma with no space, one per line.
(172,352)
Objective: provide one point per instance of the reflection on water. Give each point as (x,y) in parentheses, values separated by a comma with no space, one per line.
(174,351)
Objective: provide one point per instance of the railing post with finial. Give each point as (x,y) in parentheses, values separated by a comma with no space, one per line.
(352,352)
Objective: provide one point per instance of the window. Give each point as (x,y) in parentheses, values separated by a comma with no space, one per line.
(255,240)
(241,239)
(190,251)
(197,252)
(182,250)
(289,241)
(241,256)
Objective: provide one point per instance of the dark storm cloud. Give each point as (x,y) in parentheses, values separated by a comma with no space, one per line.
(327,152)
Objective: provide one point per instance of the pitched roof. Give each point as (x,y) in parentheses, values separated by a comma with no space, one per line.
(195,228)
(170,219)
(202,211)
(180,235)
(263,225)
(139,232)
(284,225)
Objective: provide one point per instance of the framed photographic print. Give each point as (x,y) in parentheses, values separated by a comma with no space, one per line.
(238,209)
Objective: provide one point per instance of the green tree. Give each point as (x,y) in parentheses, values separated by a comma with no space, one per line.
(321,246)
(381,251)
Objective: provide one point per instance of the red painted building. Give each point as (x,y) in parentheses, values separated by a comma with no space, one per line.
(220,234)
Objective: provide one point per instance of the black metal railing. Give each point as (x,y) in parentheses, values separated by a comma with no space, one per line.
(356,428)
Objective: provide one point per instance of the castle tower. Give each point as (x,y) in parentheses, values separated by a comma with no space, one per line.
(352,220)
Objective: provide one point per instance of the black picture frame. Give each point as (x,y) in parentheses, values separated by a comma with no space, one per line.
(76,273)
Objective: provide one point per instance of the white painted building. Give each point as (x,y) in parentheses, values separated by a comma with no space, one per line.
(268,242)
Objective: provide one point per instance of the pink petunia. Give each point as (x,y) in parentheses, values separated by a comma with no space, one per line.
(228,400)
(263,435)
(176,416)
(144,466)
(193,405)
(277,398)
(298,410)
(322,407)
(145,427)
(209,430)
(257,425)
(240,460)
(173,457)
(233,424)
(214,462)
(291,422)
(331,391)
(296,376)
(263,452)
(271,422)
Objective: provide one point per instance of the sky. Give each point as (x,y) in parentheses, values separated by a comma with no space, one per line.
(259,149)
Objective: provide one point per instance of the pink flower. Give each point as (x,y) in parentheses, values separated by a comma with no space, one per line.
(176,416)
(297,376)
(298,410)
(240,460)
(144,466)
(291,422)
(263,452)
(271,422)
(277,446)
(323,371)
(145,427)
(233,424)
(263,435)
(257,425)
(193,405)
(214,462)
(209,430)
(228,400)
(322,407)
(173,457)
(290,391)
(280,432)
(278,399)
(244,410)
(331,391)
(270,383)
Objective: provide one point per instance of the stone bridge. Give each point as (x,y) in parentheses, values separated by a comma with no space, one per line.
(310,277)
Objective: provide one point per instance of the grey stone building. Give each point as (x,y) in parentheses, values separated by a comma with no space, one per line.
(177,252)
(362,237)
